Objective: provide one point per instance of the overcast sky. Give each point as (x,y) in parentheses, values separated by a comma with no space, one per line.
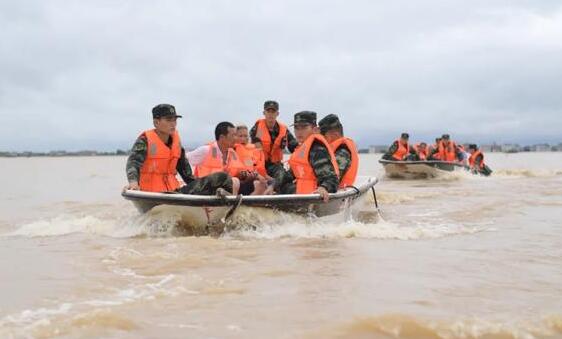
(85,74)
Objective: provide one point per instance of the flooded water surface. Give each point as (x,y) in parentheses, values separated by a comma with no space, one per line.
(454,257)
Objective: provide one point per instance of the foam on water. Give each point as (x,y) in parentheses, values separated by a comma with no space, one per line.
(279,225)
(526,173)
(258,223)
(162,224)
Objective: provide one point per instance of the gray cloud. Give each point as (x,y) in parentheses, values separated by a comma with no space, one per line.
(85,75)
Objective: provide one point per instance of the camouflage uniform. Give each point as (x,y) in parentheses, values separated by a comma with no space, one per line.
(326,176)
(319,159)
(343,154)
(273,169)
(394,147)
(201,186)
(343,158)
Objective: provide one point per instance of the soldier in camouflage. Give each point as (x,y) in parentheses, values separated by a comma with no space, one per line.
(271,108)
(404,137)
(202,186)
(332,129)
(319,158)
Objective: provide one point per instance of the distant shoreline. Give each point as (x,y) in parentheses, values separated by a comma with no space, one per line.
(114,154)
(62,154)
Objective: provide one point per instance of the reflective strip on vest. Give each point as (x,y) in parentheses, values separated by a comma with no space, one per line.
(212,162)
(348,178)
(158,172)
(272,150)
(300,165)
(246,155)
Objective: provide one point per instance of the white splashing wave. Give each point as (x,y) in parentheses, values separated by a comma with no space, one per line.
(264,226)
(125,227)
(249,223)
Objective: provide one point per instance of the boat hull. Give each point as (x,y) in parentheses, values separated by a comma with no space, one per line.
(419,169)
(197,209)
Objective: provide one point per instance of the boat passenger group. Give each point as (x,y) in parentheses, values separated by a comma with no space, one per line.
(444,149)
(322,158)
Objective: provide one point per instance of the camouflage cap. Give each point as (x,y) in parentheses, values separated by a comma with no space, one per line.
(164,110)
(305,117)
(445,137)
(271,104)
(329,122)
(473,146)
(405,136)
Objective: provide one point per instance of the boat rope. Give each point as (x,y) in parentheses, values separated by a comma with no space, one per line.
(375,197)
(232,209)
(355,188)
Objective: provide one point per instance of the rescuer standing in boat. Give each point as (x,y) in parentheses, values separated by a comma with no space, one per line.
(272,137)
(313,166)
(157,156)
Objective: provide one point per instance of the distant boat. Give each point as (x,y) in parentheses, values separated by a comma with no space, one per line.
(420,169)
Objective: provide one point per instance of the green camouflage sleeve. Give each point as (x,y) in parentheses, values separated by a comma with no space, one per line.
(292,142)
(136,159)
(343,157)
(391,150)
(434,150)
(322,165)
(253,131)
(184,169)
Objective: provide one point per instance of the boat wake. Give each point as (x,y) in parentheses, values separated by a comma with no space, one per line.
(527,173)
(251,224)
(154,225)
(247,223)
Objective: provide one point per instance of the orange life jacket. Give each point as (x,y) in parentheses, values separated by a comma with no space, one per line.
(259,161)
(271,149)
(213,163)
(252,157)
(421,154)
(402,151)
(301,168)
(246,155)
(158,172)
(447,153)
(250,153)
(349,177)
(473,157)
